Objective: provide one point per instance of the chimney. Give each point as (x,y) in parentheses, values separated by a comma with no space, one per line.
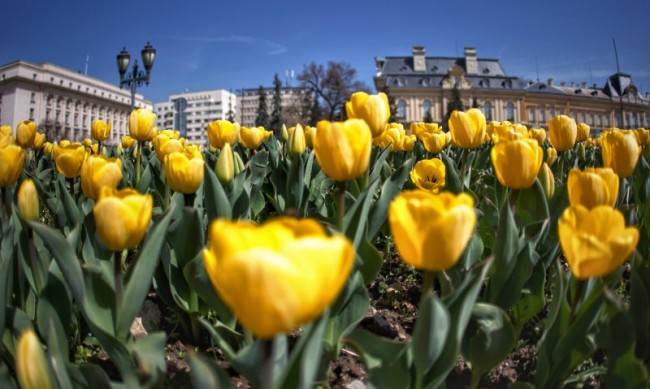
(471,64)
(379,64)
(583,85)
(549,82)
(419,61)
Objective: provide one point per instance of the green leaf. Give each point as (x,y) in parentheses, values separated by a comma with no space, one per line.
(239,198)
(69,205)
(430,333)
(58,353)
(296,184)
(206,374)
(86,376)
(378,162)
(356,218)
(371,261)
(150,354)
(197,277)
(216,200)
(138,277)
(145,179)
(258,167)
(452,180)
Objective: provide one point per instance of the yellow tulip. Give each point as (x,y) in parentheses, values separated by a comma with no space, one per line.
(592,187)
(595,242)
(642,136)
(284,133)
(467,128)
(39,141)
(225,167)
(278,275)
(434,142)
(310,135)
(539,134)
(122,217)
(12,159)
(551,156)
(127,141)
(431,231)
(563,132)
(506,131)
(28,204)
(32,369)
(620,151)
(342,149)
(253,137)
(582,133)
(395,137)
(221,132)
(163,144)
(100,130)
(184,171)
(419,129)
(68,158)
(47,148)
(373,109)
(141,124)
(297,144)
(6,136)
(98,171)
(429,175)
(516,163)
(25,133)
(547,180)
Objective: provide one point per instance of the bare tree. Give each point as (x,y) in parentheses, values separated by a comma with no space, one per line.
(332,85)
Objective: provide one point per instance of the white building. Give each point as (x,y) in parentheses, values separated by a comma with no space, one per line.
(292,100)
(190,113)
(62,102)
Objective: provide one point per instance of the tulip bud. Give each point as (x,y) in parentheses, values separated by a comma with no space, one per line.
(547,180)
(47,148)
(39,141)
(581,151)
(141,124)
(284,134)
(551,156)
(25,133)
(225,167)
(28,205)
(239,164)
(100,130)
(32,369)
(12,159)
(297,141)
(119,149)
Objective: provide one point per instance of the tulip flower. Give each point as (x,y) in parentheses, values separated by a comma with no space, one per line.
(595,242)
(278,275)
(434,142)
(184,171)
(39,141)
(165,144)
(539,134)
(342,149)
(395,137)
(127,141)
(252,137)
(642,136)
(32,369)
(429,175)
(506,131)
(100,130)
(225,167)
(582,133)
(592,187)
(467,128)
(28,204)
(551,156)
(563,132)
(122,217)
(221,132)
(431,231)
(68,158)
(25,133)
(419,128)
(310,135)
(47,148)
(12,159)
(373,109)
(547,180)
(297,144)
(620,151)
(516,163)
(98,171)
(141,124)
(284,133)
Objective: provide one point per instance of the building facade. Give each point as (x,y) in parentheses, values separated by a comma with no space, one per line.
(295,101)
(422,86)
(190,113)
(63,103)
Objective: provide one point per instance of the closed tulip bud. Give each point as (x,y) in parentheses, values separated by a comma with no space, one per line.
(592,187)
(434,142)
(581,151)
(547,180)
(620,151)
(253,137)
(539,134)
(100,130)
(262,274)
(127,141)
(225,167)
(122,217)
(47,148)
(184,171)
(39,141)
(583,132)
(429,175)
(12,159)
(87,142)
(595,242)
(119,149)
(6,136)
(68,158)
(642,136)
(373,109)
(98,171)
(342,149)
(25,133)
(516,163)
(563,132)
(141,124)
(284,134)
(431,231)
(297,144)
(28,204)
(32,369)
(551,156)
(221,132)
(239,164)
(310,135)
(467,128)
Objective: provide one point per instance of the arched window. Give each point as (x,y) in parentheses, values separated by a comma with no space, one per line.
(401,109)
(510,111)
(426,109)
(487,110)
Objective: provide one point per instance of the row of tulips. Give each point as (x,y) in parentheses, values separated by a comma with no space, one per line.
(260,235)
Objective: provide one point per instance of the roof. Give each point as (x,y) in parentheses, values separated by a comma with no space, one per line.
(439,66)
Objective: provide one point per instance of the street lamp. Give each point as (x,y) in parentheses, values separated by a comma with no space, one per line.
(136,77)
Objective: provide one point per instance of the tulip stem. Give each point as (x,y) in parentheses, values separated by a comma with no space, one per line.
(267,373)
(117,268)
(340,206)
(464,168)
(561,158)
(189,199)
(138,150)
(71,182)
(427,284)
(99,147)
(580,285)
(36,270)
(6,204)
(514,195)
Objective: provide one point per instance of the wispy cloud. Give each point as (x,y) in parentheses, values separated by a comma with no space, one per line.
(269,47)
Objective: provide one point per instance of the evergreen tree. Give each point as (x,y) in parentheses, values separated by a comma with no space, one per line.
(262,118)
(454,104)
(427,117)
(275,122)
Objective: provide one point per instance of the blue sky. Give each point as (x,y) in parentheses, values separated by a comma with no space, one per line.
(226,44)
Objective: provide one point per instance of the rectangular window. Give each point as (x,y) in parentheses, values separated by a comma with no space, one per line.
(531,114)
(542,115)
(31,114)
(33,98)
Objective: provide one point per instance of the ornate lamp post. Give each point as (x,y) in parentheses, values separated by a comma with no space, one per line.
(136,77)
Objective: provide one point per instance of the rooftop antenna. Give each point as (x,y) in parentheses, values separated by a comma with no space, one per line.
(86,67)
(288,76)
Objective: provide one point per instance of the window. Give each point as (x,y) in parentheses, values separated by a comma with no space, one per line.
(31,114)
(510,111)
(592,120)
(34,76)
(542,114)
(551,113)
(531,114)
(487,110)
(33,98)
(426,110)
(584,117)
(401,109)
